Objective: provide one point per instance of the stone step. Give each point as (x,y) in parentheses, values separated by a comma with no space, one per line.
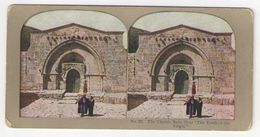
(71,95)
(67,101)
(69,98)
(178,99)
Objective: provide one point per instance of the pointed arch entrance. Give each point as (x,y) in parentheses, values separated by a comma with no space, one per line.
(70,64)
(73,81)
(178,65)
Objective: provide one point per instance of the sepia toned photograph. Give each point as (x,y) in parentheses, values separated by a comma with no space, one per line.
(73,64)
(127,67)
(181,65)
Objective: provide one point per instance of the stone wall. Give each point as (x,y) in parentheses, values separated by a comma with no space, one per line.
(212,55)
(110,64)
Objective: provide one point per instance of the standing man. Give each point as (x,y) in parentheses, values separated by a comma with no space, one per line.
(199,107)
(85,90)
(91,106)
(82,105)
(187,105)
(79,103)
(191,107)
(193,91)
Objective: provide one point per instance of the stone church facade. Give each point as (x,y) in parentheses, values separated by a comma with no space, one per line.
(170,60)
(66,57)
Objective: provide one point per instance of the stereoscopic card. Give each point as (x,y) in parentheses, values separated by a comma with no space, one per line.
(127,67)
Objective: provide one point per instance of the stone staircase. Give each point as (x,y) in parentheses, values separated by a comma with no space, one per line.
(178,99)
(111,98)
(69,98)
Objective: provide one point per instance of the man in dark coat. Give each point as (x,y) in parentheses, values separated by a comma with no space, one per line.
(187,106)
(85,87)
(191,107)
(193,90)
(199,107)
(91,105)
(79,103)
(83,105)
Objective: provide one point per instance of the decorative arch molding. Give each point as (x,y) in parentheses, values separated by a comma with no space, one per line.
(163,54)
(174,75)
(68,53)
(57,53)
(64,76)
(173,57)
(196,65)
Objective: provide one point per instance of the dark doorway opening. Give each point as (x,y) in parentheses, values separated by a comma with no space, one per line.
(73,81)
(181,82)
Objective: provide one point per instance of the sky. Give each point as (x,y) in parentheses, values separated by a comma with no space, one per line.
(97,20)
(150,22)
(169,19)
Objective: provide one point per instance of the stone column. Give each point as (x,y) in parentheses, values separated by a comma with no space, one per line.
(101,84)
(81,83)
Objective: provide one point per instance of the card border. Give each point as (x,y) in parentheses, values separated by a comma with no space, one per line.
(243,30)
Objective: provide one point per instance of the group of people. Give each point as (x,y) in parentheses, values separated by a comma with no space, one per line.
(194,106)
(85,105)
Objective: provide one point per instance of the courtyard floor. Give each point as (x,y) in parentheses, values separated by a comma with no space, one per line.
(52,109)
(151,109)
(156,109)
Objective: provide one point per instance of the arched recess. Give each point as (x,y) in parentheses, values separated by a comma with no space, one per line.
(69,55)
(181,82)
(73,81)
(178,56)
(67,47)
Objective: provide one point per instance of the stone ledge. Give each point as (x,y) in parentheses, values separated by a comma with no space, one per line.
(47,94)
(217,99)
(153,95)
(111,98)
(226,99)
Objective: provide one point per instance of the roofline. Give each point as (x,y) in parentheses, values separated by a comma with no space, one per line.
(144,31)
(180,26)
(74,24)
(34,29)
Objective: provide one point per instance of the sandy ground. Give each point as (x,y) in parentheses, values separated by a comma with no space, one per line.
(155,109)
(151,109)
(52,109)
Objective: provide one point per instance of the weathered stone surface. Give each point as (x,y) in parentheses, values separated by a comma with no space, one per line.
(224,99)
(158,109)
(98,56)
(47,94)
(101,61)
(111,98)
(210,55)
(46,108)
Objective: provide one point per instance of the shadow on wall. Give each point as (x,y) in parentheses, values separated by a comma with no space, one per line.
(135,100)
(27,98)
